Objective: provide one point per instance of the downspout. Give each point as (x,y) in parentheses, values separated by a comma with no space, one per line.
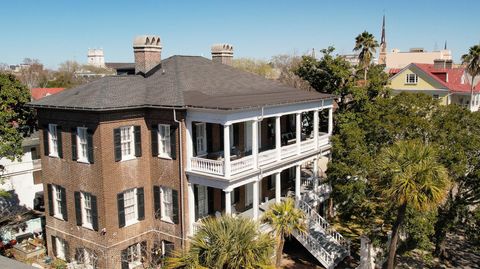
(182,178)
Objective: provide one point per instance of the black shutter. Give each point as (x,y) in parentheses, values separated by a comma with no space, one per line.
(194,138)
(236,197)
(173,142)
(45,140)
(79,257)
(50,199)
(125,259)
(63,194)
(141,204)
(59,141)
(236,135)
(94,212)
(155,140)
(195,195)
(222,200)
(138,140)
(175,206)
(210,194)
(143,251)
(156,201)
(169,248)
(90,145)
(117,144)
(208,126)
(121,210)
(74,144)
(54,246)
(78,207)
(67,251)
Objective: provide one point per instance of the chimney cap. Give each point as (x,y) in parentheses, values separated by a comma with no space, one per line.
(222,48)
(147,41)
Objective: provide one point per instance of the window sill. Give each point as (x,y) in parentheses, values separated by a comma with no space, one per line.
(60,217)
(127,158)
(166,157)
(87,226)
(53,155)
(83,161)
(131,222)
(167,220)
(410,83)
(135,264)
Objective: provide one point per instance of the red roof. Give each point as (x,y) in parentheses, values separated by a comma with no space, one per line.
(39,93)
(451,78)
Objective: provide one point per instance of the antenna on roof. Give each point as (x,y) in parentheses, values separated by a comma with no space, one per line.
(445,47)
(435,46)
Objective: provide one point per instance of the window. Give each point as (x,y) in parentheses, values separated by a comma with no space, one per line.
(164,147)
(130,202)
(134,255)
(87,210)
(201,136)
(82,144)
(411,79)
(131,207)
(58,203)
(436,96)
(53,140)
(167,204)
(126,141)
(60,247)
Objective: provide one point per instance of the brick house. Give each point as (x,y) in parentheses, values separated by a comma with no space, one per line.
(132,163)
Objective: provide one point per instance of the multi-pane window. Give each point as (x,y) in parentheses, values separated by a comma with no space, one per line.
(126,141)
(411,79)
(89,258)
(201,133)
(130,206)
(87,209)
(52,140)
(57,205)
(82,144)
(167,204)
(60,248)
(134,254)
(164,148)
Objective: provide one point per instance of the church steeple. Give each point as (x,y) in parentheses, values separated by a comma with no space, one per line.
(382,59)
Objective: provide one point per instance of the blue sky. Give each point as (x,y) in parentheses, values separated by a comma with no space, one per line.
(55,31)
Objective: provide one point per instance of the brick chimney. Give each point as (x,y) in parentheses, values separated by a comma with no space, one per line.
(448,64)
(222,53)
(147,50)
(439,64)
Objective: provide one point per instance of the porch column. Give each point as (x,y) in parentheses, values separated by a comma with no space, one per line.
(228,202)
(189,143)
(255,143)
(278,187)
(278,141)
(315,127)
(297,182)
(298,129)
(226,150)
(330,120)
(315,174)
(255,199)
(191,207)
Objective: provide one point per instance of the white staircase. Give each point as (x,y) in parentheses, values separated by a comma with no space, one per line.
(327,245)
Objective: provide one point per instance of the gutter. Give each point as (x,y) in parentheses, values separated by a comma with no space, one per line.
(182,178)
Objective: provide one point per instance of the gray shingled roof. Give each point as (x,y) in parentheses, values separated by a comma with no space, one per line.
(181,81)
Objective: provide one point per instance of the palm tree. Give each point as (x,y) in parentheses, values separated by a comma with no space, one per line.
(366,44)
(284,218)
(472,60)
(410,176)
(226,242)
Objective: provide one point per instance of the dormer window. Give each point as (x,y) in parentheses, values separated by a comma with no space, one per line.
(411,79)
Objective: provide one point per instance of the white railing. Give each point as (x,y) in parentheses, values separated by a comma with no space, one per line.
(312,245)
(288,151)
(323,139)
(241,164)
(307,145)
(325,188)
(324,225)
(267,157)
(37,164)
(207,165)
(196,227)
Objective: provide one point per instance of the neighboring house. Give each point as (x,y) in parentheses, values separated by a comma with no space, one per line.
(451,85)
(132,163)
(39,93)
(400,59)
(122,68)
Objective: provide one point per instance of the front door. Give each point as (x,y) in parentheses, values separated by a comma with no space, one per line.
(202,201)
(248,195)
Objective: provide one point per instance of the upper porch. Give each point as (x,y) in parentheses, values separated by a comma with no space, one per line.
(226,145)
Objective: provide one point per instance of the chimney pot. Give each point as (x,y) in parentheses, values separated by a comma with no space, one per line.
(222,53)
(147,50)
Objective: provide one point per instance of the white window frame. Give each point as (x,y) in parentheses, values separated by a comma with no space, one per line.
(201,137)
(86,203)
(135,251)
(82,145)
(60,248)
(123,141)
(52,140)
(134,219)
(409,81)
(164,146)
(88,258)
(166,201)
(57,202)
